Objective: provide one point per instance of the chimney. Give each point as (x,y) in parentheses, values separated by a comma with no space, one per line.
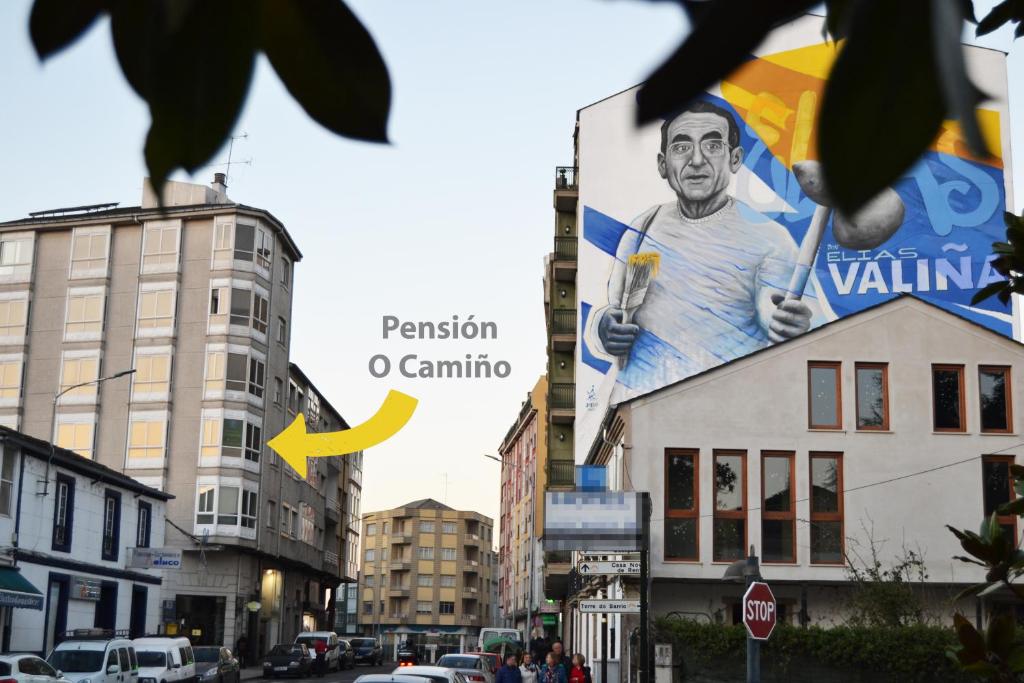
(219,184)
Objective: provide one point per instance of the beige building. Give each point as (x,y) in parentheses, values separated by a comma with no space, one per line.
(197,299)
(426,577)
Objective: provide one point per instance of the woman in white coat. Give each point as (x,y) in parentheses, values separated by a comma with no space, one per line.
(528,670)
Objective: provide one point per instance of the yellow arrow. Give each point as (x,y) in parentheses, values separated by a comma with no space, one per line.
(294,444)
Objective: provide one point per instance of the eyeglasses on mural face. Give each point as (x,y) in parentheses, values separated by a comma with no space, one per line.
(711,147)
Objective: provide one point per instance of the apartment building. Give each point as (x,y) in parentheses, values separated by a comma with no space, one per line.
(426,577)
(196,298)
(523,454)
(876,429)
(79,555)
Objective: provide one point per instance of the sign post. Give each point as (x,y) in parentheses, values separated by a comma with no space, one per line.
(759,615)
(645,670)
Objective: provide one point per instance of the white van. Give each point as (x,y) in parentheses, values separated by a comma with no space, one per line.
(309,638)
(165,660)
(91,656)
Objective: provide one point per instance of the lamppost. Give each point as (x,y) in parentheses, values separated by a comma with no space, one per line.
(529,592)
(53,421)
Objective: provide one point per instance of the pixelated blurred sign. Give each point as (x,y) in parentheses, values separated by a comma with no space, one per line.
(592,520)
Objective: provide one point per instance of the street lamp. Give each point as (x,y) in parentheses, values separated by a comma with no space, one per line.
(748,571)
(53,421)
(529,592)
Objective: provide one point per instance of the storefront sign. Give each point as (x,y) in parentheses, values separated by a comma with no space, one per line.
(154,558)
(84,588)
(24,600)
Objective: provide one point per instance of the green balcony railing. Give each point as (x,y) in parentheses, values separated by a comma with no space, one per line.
(563,396)
(563,321)
(561,473)
(565,248)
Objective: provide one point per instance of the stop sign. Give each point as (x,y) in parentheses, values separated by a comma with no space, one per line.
(759,611)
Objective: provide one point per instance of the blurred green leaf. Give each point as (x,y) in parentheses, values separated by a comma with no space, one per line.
(55,24)
(900,109)
(330,64)
(962,96)
(1000,635)
(1009,10)
(972,643)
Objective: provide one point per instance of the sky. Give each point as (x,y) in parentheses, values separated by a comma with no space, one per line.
(453,218)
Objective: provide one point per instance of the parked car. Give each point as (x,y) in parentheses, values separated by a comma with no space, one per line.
(330,640)
(28,669)
(391,678)
(368,651)
(492,658)
(474,668)
(165,660)
(436,674)
(94,655)
(216,665)
(286,659)
(346,655)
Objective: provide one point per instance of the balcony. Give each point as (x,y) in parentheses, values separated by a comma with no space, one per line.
(470,539)
(564,260)
(470,593)
(399,591)
(566,188)
(563,402)
(400,565)
(563,329)
(332,509)
(471,567)
(561,473)
(330,562)
(401,538)
(557,566)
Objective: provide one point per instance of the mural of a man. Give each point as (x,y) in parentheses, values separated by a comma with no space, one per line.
(724,268)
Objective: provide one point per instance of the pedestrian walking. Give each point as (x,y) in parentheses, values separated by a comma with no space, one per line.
(242,650)
(510,672)
(528,670)
(580,672)
(321,656)
(553,671)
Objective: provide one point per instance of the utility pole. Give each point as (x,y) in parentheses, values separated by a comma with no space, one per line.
(645,667)
(752,573)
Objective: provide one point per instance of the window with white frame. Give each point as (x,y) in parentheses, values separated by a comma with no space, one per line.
(241,306)
(152,378)
(447,581)
(257,372)
(7,457)
(260,312)
(222,433)
(77,367)
(205,498)
(448,527)
(448,554)
(156,311)
(250,499)
(425,580)
(286,272)
(220,303)
(253,440)
(84,320)
(13,317)
(282,331)
(10,379)
(215,371)
(245,241)
(264,248)
(423,607)
(223,236)
(313,408)
(89,249)
(278,390)
(75,433)
(286,510)
(16,256)
(160,246)
(227,504)
(307,514)
(147,433)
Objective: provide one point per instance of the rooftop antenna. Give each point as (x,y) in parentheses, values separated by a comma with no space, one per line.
(230,162)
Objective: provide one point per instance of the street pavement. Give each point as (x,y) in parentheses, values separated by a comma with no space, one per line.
(256,673)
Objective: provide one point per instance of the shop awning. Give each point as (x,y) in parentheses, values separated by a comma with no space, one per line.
(16,591)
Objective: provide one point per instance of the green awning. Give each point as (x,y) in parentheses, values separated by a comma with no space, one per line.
(16,591)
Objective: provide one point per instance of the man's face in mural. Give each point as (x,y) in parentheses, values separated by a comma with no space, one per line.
(698,161)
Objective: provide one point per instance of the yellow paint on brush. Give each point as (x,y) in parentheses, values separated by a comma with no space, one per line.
(651,258)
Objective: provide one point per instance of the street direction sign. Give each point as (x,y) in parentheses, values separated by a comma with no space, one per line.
(759,611)
(613,567)
(610,606)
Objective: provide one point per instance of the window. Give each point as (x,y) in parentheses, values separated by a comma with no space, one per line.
(257,368)
(215,375)
(448,554)
(998,490)
(84,316)
(271,513)
(308,521)
(89,252)
(15,255)
(367,608)
(152,374)
(681,498)
(6,480)
(111,524)
(10,378)
(227,505)
(241,306)
(74,370)
(13,317)
(825,401)
(63,513)
(425,581)
(264,248)
(446,608)
(146,440)
(778,508)
(371,529)
(282,331)
(384,580)
(448,527)
(260,313)
(204,504)
(143,529)
(250,500)
(872,383)
(426,527)
(222,436)
(313,409)
(387,527)
(370,581)
(245,238)
(423,607)
(75,434)
(235,377)
(826,508)
(447,581)
(278,390)
(156,311)
(370,555)
(729,541)
(948,398)
(425,553)
(222,238)
(994,395)
(286,272)
(253,442)
(160,247)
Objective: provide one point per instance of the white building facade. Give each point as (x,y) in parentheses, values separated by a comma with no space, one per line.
(874,431)
(73,540)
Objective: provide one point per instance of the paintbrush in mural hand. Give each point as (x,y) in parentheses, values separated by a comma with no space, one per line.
(640,270)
